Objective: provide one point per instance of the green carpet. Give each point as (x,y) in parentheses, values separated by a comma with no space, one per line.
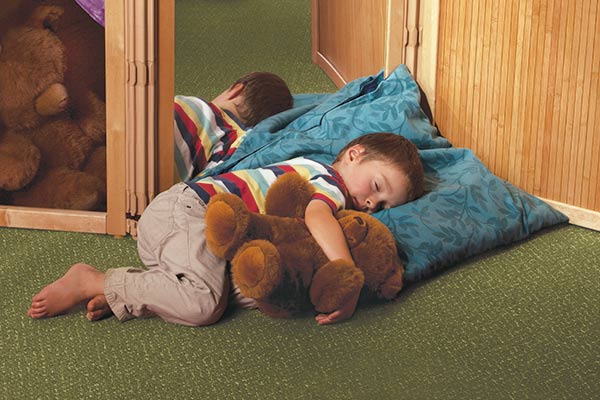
(217,41)
(520,322)
(516,323)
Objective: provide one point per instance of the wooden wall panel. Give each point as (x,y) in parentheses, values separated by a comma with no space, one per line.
(352,39)
(517,82)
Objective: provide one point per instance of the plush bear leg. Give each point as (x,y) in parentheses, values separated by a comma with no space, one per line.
(96,163)
(334,284)
(227,220)
(19,159)
(256,269)
(63,188)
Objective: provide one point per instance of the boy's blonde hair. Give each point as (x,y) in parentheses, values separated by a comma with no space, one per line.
(265,94)
(397,150)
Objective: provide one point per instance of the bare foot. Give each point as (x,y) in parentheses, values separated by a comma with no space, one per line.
(98,308)
(81,282)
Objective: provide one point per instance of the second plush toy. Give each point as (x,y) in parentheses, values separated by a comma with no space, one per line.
(50,140)
(275,260)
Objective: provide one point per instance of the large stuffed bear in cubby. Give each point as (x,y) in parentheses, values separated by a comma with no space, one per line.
(52,118)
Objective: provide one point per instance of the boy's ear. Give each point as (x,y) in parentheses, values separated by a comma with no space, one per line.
(235,91)
(355,152)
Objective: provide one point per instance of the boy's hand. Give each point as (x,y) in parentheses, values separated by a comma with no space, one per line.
(339,315)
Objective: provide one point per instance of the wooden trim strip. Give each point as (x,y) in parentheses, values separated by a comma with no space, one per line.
(52,219)
(330,70)
(314,7)
(577,216)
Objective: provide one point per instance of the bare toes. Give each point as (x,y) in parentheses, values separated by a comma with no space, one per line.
(36,313)
(98,308)
(80,283)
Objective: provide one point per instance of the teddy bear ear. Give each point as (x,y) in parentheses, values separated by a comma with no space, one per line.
(44,17)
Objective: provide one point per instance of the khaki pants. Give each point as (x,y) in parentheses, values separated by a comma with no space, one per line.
(184,282)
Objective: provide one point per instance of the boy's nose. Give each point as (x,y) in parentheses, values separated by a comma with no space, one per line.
(372,206)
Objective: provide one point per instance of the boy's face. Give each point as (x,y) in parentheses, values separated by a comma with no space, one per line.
(373,185)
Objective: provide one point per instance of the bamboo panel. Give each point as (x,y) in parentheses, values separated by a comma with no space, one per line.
(517,82)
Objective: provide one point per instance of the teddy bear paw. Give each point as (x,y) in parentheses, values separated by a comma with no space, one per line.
(334,284)
(93,124)
(227,220)
(256,269)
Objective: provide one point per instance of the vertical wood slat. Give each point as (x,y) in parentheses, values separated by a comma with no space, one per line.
(483,88)
(555,163)
(517,82)
(409,23)
(395,35)
(115,117)
(165,72)
(509,49)
(428,23)
(541,94)
(141,122)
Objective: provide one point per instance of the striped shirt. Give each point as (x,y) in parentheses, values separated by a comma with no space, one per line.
(205,135)
(251,184)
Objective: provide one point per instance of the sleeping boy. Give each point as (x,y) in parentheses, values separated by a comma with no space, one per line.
(185,283)
(208,133)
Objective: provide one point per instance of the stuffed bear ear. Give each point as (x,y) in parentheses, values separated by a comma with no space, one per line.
(288,196)
(44,17)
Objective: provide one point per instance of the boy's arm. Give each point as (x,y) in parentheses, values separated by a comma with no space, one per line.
(327,232)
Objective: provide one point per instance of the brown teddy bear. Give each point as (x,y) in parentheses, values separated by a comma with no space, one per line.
(275,260)
(46,137)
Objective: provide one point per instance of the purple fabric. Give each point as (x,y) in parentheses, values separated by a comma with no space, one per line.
(95,8)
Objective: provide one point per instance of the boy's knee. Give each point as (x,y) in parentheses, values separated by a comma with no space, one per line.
(206,314)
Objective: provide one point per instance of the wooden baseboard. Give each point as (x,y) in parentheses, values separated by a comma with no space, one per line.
(51,219)
(577,216)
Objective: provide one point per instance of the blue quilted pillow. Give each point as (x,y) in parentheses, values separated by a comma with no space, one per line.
(466,210)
